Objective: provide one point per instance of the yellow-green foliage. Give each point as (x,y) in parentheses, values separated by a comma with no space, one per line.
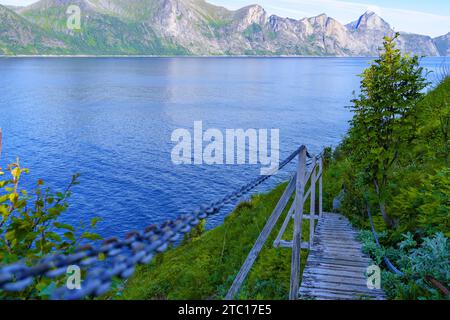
(205,267)
(30,228)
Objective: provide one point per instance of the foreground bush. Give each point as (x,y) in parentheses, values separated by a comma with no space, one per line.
(31,228)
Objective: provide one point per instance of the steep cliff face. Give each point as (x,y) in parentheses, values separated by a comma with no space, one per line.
(196,27)
(417,44)
(443,44)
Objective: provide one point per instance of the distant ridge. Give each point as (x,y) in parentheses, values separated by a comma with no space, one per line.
(193,27)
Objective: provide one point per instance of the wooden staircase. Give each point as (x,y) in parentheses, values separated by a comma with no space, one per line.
(336,266)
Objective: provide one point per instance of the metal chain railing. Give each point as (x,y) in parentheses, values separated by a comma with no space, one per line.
(122,255)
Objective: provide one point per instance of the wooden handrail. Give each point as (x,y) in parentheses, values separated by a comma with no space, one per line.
(297,183)
(262,238)
(298,217)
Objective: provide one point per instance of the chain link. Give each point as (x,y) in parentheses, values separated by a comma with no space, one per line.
(121,255)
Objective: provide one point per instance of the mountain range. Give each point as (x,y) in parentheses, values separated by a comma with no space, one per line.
(193,27)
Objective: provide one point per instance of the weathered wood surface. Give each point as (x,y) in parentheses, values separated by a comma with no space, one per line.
(298,217)
(336,267)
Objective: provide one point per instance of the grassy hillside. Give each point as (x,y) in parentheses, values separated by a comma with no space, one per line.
(19,35)
(205,266)
(418,200)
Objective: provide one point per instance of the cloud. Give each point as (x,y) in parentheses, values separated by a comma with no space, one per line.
(17,2)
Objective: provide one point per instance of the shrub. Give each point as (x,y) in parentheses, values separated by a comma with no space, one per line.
(30,227)
(417,262)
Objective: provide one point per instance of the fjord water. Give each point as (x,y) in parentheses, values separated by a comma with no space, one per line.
(111,119)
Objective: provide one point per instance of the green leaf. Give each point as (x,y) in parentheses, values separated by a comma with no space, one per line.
(91,236)
(69,235)
(94,221)
(64,226)
(10,235)
(53,236)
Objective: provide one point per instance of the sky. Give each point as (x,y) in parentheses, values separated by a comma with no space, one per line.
(429,17)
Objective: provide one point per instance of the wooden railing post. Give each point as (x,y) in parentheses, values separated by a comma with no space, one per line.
(298,217)
(320,187)
(312,206)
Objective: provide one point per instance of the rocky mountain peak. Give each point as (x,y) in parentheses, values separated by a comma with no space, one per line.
(253,14)
(321,19)
(369,21)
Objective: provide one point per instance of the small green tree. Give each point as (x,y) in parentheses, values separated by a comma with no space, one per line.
(384,118)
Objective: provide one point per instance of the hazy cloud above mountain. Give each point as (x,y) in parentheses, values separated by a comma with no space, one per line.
(430,17)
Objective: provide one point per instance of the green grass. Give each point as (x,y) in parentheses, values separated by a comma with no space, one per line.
(205,266)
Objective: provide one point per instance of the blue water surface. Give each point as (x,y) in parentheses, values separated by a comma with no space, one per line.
(111,120)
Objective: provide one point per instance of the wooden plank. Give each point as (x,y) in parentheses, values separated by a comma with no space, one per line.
(338,245)
(341,248)
(338,238)
(350,256)
(337,241)
(312,207)
(336,295)
(335,253)
(262,238)
(298,217)
(339,262)
(308,216)
(337,231)
(350,288)
(338,226)
(314,264)
(288,244)
(336,279)
(326,236)
(332,272)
